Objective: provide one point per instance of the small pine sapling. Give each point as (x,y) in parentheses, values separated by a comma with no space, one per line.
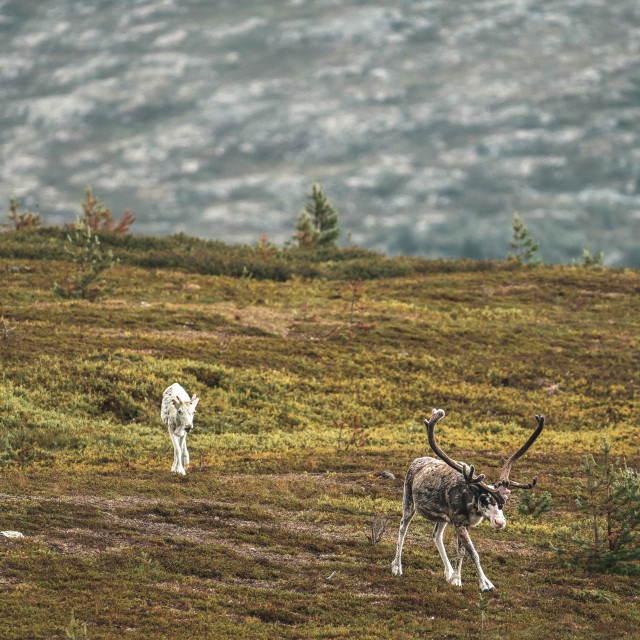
(83,247)
(605,537)
(98,217)
(76,631)
(266,247)
(317,223)
(589,260)
(532,504)
(523,245)
(483,607)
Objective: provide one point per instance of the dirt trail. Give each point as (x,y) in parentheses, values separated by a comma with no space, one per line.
(127,531)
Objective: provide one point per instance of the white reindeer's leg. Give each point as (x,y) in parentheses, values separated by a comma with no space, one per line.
(408,511)
(185,452)
(465,540)
(177,456)
(438,533)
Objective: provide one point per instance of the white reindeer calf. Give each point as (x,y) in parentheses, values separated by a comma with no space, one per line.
(177,413)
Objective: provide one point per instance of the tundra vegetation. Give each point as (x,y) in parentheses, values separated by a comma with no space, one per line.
(302,406)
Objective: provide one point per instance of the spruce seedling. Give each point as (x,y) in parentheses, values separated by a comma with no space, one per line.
(83,247)
(605,537)
(317,223)
(523,245)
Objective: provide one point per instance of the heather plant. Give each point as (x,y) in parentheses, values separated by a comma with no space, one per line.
(605,537)
(84,249)
(350,432)
(6,329)
(27,220)
(17,447)
(378,522)
(357,289)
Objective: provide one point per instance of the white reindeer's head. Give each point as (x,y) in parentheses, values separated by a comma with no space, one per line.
(184,414)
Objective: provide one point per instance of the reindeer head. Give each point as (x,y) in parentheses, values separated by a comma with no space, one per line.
(497,494)
(185,410)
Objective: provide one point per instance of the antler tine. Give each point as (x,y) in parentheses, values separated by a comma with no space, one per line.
(468,475)
(499,493)
(436,416)
(506,469)
(528,485)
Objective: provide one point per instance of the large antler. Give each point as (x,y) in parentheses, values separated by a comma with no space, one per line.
(501,491)
(506,469)
(467,472)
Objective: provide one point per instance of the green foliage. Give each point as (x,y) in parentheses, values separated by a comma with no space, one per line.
(97,216)
(596,595)
(532,504)
(317,223)
(268,523)
(483,607)
(6,329)
(25,221)
(211,257)
(523,245)
(84,249)
(606,537)
(18,446)
(76,631)
(589,260)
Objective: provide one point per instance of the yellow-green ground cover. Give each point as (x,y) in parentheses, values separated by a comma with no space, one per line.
(266,537)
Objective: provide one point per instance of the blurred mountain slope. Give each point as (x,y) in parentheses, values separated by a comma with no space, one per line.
(429,123)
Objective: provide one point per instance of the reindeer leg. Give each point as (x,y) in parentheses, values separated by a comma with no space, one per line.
(175,453)
(457,576)
(185,453)
(408,511)
(465,540)
(438,533)
(177,456)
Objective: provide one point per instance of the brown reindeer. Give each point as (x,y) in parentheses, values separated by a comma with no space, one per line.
(447,492)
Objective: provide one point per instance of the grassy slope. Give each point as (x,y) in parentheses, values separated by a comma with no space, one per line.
(265,538)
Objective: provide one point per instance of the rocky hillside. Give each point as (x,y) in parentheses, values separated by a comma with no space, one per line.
(428,122)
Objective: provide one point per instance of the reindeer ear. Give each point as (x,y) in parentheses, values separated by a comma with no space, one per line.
(194,401)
